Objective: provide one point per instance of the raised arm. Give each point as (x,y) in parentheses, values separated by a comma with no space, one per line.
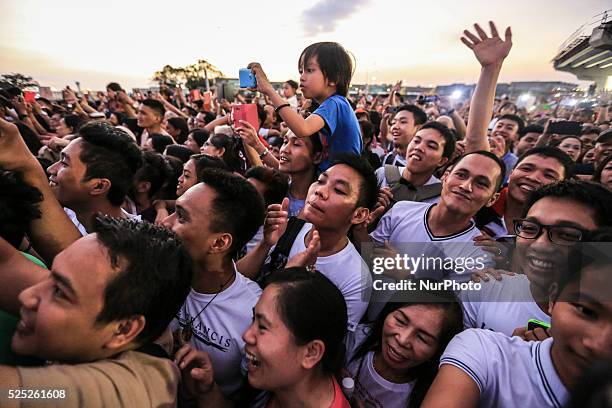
(299,126)
(465,392)
(490,53)
(54,231)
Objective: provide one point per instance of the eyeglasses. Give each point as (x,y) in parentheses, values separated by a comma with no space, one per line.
(558,234)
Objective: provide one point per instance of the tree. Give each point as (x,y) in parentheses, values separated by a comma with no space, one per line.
(193,75)
(19,80)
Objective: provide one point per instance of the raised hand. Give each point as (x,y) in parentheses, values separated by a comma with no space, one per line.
(263,84)
(308,257)
(248,134)
(14,153)
(488,50)
(276,222)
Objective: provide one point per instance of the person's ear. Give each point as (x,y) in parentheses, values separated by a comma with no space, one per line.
(125,332)
(313,353)
(360,215)
(99,186)
(443,161)
(143,186)
(222,150)
(221,243)
(492,200)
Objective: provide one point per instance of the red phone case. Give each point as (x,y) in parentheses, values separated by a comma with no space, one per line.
(246,112)
(29,96)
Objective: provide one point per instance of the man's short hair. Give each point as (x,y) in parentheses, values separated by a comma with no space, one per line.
(368,187)
(500,163)
(447,134)
(515,118)
(552,152)
(420,117)
(593,195)
(154,170)
(531,129)
(156,105)
(110,153)
(605,137)
(237,207)
(156,277)
(590,130)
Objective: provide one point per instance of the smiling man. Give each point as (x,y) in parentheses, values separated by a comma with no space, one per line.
(404,125)
(429,149)
(471,185)
(556,217)
(535,168)
(99,327)
(508,127)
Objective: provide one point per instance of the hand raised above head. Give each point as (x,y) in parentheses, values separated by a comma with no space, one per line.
(488,50)
(14,153)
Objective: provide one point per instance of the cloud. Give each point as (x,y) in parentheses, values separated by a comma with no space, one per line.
(326,14)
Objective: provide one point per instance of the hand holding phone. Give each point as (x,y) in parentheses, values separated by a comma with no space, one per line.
(247,78)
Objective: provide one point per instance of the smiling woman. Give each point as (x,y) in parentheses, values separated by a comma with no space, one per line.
(395,359)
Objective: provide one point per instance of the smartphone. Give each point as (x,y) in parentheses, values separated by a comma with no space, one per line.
(532,324)
(565,128)
(430,98)
(247,78)
(29,96)
(246,112)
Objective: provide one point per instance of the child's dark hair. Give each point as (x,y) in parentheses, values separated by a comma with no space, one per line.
(334,61)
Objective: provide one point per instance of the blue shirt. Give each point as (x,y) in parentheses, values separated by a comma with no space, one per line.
(509,160)
(341,131)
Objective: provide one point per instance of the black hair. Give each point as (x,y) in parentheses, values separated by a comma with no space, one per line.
(292,84)
(155,170)
(206,161)
(114,86)
(312,308)
(238,208)
(275,141)
(183,153)
(74,122)
(515,118)
(530,129)
(108,152)
(452,325)
(600,168)
(261,114)
(604,137)
(591,130)
(200,136)
(334,61)
(156,106)
(447,134)
(175,168)
(420,117)
(552,152)
(160,141)
(367,132)
(506,104)
(502,166)
(277,183)
(368,187)
(590,194)
(155,280)
(230,155)
(181,125)
(18,206)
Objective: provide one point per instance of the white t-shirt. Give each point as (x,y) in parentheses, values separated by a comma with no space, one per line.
(370,387)
(347,270)
(255,240)
(405,227)
(73,217)
(382,181)
(501,306)
(293,102)
(508,371)
(219,328)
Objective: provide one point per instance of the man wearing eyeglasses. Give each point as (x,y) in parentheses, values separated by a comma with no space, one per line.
(556,217)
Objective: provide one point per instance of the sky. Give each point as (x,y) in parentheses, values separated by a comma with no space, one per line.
(95,42)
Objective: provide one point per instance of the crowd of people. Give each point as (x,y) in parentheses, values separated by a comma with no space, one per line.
(157,251)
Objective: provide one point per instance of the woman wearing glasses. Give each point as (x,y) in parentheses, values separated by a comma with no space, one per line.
(556,217)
